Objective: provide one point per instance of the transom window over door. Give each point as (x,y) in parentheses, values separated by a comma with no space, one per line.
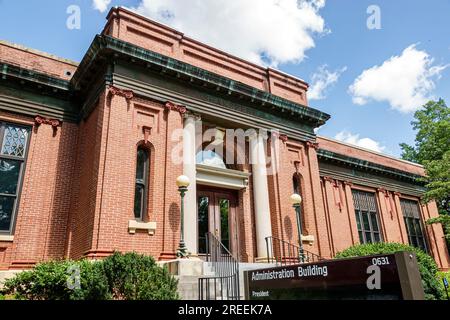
(14,144)
(366,214)
(413,223)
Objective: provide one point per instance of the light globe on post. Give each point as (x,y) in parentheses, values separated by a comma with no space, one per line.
(296,201)
(183,183)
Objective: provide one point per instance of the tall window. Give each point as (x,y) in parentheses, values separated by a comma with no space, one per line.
(296,183)
(142,174)
(13,152)
(366,216)
(413,223)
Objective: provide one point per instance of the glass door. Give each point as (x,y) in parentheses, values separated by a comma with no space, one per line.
(216,214)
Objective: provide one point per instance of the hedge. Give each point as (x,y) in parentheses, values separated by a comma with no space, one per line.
(427,266)
(121,276)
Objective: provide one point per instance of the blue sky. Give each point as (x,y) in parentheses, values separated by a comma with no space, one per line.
(343,49)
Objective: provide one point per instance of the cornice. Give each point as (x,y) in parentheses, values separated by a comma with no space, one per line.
(363,165)
(28,77)
(105,46)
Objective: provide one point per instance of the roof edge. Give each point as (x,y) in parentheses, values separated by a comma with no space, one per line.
(38,52)
(371,151)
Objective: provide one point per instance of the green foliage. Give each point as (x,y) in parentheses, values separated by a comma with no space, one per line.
(441,275)
(432,150)
(427,266)
(137,277)
(2,297)
(432,123)
(50,281)
(121,276)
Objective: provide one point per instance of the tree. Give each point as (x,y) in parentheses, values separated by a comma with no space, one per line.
(432,150)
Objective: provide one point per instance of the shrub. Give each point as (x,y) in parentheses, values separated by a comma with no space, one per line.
(2,297)
(427,266)
(121,276)
(137,277)
(50,281)
(440,276)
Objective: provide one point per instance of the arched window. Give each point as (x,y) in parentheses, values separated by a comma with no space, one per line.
(141,191)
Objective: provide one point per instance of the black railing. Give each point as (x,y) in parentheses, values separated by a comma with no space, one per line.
(224,285)
(284,253)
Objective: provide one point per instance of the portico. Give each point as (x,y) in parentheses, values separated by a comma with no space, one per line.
(212,201)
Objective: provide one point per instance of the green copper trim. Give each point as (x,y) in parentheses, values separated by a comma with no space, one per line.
(32,93)
(104,45)
(368,166)
(8,70)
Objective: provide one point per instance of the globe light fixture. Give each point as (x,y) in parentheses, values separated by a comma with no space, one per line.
(183,182)
(296,199)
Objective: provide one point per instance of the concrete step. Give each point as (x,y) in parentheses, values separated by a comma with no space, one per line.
(188,277)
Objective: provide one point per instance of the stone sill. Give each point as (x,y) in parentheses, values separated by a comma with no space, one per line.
(308,239)
(134,226)
(5,238)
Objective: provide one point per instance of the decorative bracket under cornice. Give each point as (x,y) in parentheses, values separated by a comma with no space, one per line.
(175,107)
(313,145)
(55,123)
(398,194)
(348,183)
(127,94)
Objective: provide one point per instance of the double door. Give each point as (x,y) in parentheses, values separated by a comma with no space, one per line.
(216,213)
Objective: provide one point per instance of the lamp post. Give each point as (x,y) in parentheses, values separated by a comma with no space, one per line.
(182,184)
(296,200)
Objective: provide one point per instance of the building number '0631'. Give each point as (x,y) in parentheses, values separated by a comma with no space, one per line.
(380,261)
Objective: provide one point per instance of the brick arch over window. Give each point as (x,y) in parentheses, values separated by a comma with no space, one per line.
(144,186)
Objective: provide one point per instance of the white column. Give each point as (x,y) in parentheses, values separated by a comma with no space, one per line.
(189,170)
(260,194)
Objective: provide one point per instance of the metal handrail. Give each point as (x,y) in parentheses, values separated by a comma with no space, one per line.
(284,253)
(225,284)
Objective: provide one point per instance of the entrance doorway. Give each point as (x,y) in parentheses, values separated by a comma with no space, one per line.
(216,213)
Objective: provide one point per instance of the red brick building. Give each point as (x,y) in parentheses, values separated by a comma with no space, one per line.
(90,153)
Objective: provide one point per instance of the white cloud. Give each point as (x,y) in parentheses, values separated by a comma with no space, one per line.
(404,81)
(354,139)
(101,5)
(322,80)
(267,32)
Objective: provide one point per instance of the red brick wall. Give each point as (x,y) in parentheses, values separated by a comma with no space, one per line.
(108,176)
(85,183)
(44,203)
(34,60)
(342,229)
(88,171)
